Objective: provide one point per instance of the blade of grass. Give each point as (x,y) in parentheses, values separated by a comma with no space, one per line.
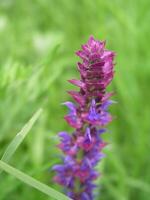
(15,143)
(33,182)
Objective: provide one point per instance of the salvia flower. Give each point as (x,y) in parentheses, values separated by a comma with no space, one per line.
(88,116)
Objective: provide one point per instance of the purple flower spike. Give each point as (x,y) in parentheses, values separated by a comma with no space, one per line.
(88,115)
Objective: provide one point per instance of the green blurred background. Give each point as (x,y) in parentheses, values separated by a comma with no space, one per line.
(38,39)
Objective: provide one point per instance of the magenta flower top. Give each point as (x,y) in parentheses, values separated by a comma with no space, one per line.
(88,116)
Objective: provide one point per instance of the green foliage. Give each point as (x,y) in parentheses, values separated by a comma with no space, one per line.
(32,182)
(16,142)
(12,147)
(38,41)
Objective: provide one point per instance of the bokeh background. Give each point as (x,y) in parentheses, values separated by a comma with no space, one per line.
(38,39)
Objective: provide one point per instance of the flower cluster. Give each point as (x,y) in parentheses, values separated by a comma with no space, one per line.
(88,116)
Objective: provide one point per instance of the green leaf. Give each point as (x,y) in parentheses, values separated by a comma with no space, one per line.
(33,182)
(15,143)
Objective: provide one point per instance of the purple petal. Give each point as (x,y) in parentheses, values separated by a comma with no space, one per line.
(106,104)
(85,196)
(58,168)
(102,130)
(64,135)
(91,41)
(77,97)
(71,106)
(77,83)
(73,121)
